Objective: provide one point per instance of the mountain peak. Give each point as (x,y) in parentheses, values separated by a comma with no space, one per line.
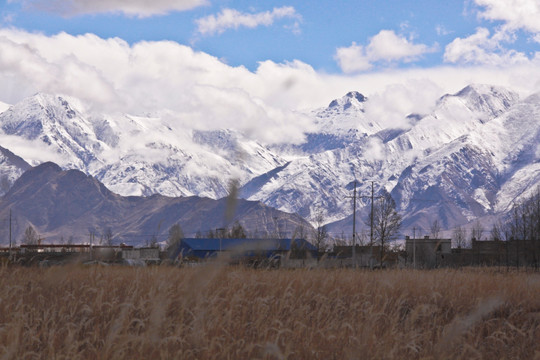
(487,101)
(46,169)
(350,99)
(356,95)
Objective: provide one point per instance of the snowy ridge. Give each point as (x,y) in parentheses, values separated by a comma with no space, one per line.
(3,107)
(472,156)
(436,160)
(138,155)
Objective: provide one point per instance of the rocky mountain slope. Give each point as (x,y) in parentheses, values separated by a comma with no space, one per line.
(137,155)
(471,156)
(433,164)
(11,167)
(69,205)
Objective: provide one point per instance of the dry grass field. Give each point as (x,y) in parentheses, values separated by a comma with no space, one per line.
(77,312)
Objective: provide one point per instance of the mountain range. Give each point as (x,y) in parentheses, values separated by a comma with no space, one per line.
(68,205)
(471,157)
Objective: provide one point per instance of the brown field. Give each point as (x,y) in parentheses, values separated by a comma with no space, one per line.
(76,312)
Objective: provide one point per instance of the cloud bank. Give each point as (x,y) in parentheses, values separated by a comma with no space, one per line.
(138,8)
(386,47)
(234,19)
(198,91)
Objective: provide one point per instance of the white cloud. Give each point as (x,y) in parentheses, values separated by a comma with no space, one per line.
(517,14)
(139,8)
(234,19)
(386,46)
(195,90)
(392,105)
(33,151)
(480,48)
(374,150)
(148,77)
(484,48)
(353,58)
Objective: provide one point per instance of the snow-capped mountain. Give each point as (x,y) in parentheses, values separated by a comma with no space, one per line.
(336,126)
(138,155)
(472,156)
(433,151)
(57,123)
(11,168)
(69,204)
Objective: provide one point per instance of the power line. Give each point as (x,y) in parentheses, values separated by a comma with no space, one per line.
(372,197)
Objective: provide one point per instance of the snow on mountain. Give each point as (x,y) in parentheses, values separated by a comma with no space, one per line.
(345,114)
(473,155)
(3,107)
(68,203)
(138,155)
(434,162)
(455,116)
(11,167)
(55,122)
(513,139)
(336,126)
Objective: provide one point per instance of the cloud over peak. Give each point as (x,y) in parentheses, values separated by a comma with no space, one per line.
(234,19)
(386,47)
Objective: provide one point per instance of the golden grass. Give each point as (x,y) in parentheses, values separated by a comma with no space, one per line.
(235,313)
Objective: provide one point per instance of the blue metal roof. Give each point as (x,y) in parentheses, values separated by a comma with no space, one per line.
(205,246)
(247,244)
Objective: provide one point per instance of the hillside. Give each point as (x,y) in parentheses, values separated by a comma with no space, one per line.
(62,204)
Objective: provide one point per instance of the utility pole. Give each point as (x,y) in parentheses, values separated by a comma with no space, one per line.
(371,230)
(372,197)
(414,247)
(10,254)
(354,227)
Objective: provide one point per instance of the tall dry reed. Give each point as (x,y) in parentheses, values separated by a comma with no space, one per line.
(218,312)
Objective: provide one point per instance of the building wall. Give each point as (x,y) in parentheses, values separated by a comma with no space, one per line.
(427,253)
(141,253)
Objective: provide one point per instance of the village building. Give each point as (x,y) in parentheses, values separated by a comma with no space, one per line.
(428,253)
(515,253)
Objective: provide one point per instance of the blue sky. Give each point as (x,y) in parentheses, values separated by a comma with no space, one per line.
(312,34)
(242,63)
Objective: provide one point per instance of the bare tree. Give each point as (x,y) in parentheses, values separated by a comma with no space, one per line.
(435,229)
(237,231)
(321,234)
(524,224)
(363,238)
(343,240)
(386,221)
(175,238)
(477,231)
(153,241)
(460,237)
(108,236)
(30,236)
